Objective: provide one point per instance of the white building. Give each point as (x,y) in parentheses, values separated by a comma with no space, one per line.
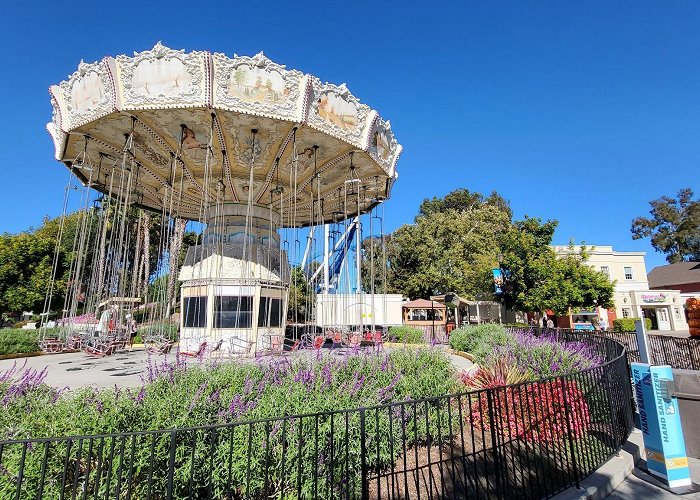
(633,298)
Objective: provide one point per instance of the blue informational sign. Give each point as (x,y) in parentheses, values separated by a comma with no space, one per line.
(661,424)
(497,281)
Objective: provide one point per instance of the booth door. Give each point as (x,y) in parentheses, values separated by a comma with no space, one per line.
(662,319)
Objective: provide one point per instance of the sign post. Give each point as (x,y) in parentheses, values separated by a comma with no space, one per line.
(642,341)
(660,423)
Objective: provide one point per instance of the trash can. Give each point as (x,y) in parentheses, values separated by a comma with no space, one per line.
(687,383)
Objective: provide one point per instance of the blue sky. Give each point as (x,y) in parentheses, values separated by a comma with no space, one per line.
(577,111)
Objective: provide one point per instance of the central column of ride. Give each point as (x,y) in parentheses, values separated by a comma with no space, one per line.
(235,283)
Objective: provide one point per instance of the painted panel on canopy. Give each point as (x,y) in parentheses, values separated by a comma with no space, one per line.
(162,78)
(335,111)
(383,147)
(237,129)
(87,94)
(256,85)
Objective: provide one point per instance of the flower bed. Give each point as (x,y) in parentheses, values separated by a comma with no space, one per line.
(179,394)
(535,356)
(360,424)
(182,396)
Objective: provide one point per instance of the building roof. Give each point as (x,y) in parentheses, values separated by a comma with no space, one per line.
(423,304)
(674,274)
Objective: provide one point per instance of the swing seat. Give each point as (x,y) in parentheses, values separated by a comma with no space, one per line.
(199,352)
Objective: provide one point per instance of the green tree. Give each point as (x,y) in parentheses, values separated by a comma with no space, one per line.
(451,247)
(462,200)
(300,297)
(674,227)
(536,278)
(25,272)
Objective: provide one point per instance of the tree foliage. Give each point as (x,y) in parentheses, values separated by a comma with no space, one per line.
(25,272)
(462,200)
(26,259)
(456,241)
(536,278)
(300,302)
(674,226)
(449,248)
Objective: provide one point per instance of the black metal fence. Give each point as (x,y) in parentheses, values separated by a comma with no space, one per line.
(529,440)
(679,352)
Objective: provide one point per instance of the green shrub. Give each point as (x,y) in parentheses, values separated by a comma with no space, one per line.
(627,324)
(406,334)
(167,330)
(15,340)
(479,338)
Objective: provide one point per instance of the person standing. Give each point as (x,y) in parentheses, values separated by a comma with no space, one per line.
(133,330)
(550,323)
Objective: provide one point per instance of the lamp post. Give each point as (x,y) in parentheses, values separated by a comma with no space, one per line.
(432,310)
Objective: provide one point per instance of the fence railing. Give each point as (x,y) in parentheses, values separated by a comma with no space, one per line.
(679,352)
(530,440)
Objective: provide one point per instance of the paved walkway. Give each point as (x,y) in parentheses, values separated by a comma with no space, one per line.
(671,333)
(635,486)
(77,369)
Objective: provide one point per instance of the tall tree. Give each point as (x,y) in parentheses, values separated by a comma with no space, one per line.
(462,200)
(674,227)
(451,247)
(536,278)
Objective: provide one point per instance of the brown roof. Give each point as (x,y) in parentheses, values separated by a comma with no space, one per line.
(674,274)
(423,304)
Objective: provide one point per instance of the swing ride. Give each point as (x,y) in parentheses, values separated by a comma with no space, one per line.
(255,159)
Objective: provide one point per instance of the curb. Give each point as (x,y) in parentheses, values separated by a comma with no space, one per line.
(603,481)
(18,355)
(464,355)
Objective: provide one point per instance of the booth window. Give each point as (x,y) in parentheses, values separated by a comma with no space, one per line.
(425,315)
(270,312)
(626,313)
(195,312)
(605,270)
(233,312)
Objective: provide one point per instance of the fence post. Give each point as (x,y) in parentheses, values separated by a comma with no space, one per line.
(494,442)
(363,456)
(171,465)
(568,428)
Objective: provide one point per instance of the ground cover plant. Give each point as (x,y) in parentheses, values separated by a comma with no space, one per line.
(347,418)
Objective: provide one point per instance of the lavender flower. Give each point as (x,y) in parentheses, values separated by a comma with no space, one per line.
(197,395)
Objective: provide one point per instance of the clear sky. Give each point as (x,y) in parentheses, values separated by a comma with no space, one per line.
(576,111)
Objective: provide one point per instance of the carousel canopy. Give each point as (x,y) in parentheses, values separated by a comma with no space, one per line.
(195,124)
